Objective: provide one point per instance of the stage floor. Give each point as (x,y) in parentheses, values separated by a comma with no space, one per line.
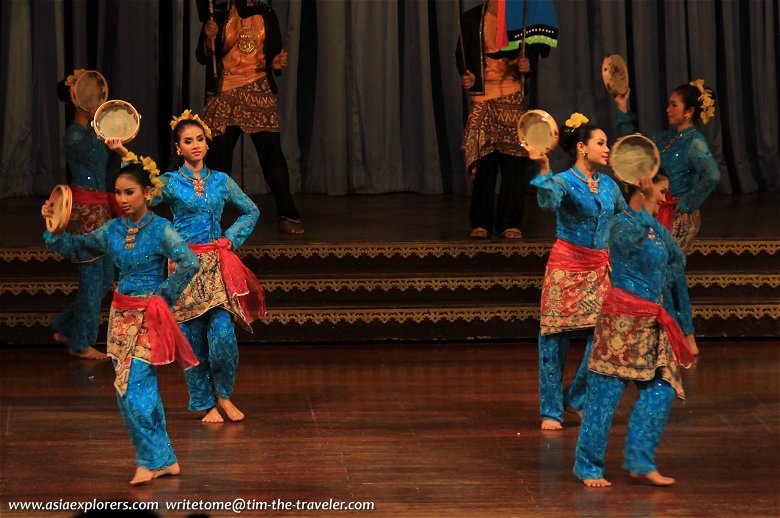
(421,430)
(406,217)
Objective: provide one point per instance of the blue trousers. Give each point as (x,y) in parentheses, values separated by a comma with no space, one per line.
(645,426)
(552,358)
(142,410)
(213,340)
(80,320)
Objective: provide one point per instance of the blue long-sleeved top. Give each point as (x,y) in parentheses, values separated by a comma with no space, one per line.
(141,269)
(583,217)
(693,171)
(197,218)
(86,156)
(641,265)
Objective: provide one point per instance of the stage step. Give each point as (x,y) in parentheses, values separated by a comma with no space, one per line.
(320,292)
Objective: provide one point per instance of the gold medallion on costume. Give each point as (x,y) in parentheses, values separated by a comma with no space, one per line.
(246,40)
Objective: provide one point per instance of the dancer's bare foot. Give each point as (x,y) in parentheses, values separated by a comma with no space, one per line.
(549,424)
(654,478)
(213,416)
(170,471)
(144,476)
(90,353)
(597,482)
(230,410)
(692,344)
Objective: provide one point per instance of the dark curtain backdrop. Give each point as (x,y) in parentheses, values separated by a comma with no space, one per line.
(371,101)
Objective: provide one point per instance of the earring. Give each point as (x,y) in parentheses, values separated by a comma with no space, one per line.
(584,153)
(178,152)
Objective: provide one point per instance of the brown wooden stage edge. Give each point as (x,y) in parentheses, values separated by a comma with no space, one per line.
(400,267)
(424,430)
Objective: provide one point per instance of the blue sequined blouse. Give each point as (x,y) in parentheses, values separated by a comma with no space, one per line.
(141,269)
(641,265)
(583,217)
(86,155)
(197,218)
(686,158)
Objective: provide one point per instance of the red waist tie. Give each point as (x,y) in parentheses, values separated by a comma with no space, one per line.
(574,258)
(621,302)
(666,212)
(166,340)
(86,197)
(242,285)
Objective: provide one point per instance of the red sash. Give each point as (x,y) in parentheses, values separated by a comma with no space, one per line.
(574,258)
(83,196)
(666,212)
(166,340)
(621,302)
(241,284)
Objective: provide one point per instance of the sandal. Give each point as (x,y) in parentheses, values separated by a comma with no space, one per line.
(512,233)
(479,233)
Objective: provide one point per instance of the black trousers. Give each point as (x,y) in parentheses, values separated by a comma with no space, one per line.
(508,211)
(269,150)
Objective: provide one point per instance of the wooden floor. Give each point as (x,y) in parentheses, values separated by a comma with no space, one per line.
(419,430)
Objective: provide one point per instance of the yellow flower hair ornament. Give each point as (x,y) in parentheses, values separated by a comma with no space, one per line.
(576,120)
(150,167)
(71,79)
(706,102)
(188,115)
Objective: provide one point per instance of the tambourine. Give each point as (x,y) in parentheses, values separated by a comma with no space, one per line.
(537,131)
(89,91)
(61,199)
(116,119)
(634,157)
(615,74)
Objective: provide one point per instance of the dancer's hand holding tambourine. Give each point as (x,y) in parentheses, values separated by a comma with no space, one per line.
(56,210)
(540,157)
(116,145)
(621,100)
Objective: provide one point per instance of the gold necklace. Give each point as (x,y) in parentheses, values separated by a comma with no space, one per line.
(593,185)
(675,138)
(650,233)
(132,231)
(246,38)
(198,184)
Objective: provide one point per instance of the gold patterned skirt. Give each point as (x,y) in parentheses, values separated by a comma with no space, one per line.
(634,348)
(492,126)
(252,107)
(206,291)
(685,227)
(127,339)
(576,281)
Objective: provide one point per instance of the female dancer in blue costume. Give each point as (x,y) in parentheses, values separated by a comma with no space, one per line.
(86,155)
(635,339)
(693,174)
(577,274)
(142,331)
(197,195)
